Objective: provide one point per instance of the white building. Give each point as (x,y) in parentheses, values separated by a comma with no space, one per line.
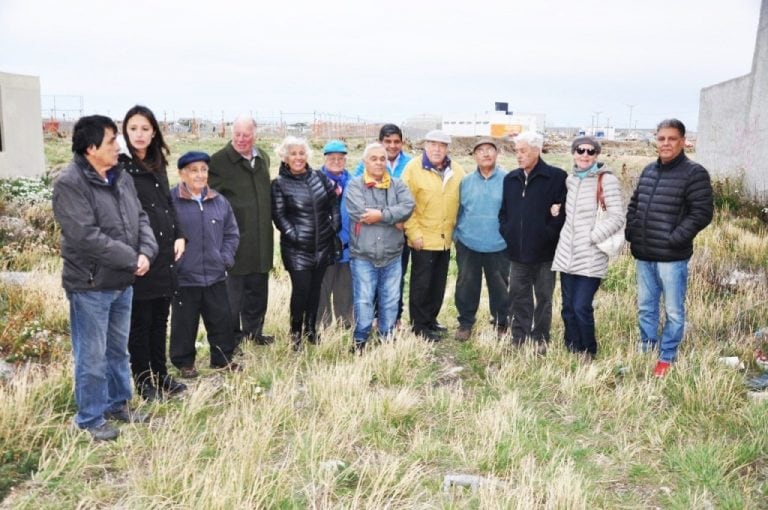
(601,133)
(497,124)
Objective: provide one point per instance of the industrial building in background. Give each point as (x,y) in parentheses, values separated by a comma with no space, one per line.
(500,123)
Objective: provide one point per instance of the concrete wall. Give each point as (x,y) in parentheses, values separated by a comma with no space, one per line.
(21,132)
(733,120)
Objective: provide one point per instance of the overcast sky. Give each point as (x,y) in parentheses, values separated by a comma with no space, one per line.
(384,61)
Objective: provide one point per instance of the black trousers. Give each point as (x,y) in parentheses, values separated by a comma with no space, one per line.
(429,272)
(189,304)
(305,297)
(472,265)
(404,260)
(530,294)
(248,296)
(146,341)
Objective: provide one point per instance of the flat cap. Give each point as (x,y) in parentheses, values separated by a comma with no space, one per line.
(192,157)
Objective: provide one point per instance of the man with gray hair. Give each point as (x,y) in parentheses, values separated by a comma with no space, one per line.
(531,228)
(240,172)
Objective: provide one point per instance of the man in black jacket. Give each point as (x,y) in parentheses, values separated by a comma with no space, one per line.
(671,204)
(240,172)
(530,225)
(106,240)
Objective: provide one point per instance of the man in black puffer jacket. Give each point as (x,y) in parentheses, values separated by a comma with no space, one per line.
(671,204)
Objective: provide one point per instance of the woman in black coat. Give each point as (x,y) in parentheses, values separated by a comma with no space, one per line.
(306,212)
(152,292)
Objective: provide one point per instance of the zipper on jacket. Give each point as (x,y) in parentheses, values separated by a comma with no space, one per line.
(650,200)
(314,212)
(202,235)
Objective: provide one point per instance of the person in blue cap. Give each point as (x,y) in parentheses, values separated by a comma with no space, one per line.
(212,239)
(336,290)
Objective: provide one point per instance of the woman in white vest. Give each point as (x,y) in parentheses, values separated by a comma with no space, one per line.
(590,221)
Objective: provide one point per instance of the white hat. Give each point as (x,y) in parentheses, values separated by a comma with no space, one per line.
(437,136)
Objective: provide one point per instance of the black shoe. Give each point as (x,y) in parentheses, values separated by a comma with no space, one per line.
(428,335)
(171,386)
(104,432)
(148,391)
(126,415)
(358,348)
(263,339)
(438,328)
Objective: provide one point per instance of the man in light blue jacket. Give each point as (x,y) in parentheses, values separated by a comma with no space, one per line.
(479,245)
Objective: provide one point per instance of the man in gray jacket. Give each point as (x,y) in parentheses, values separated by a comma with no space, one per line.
(106,240)
(378,205)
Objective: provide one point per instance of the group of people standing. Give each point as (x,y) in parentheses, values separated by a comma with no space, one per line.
(134,248)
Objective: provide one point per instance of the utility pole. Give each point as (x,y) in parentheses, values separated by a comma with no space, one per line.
(597,119)
(631,107)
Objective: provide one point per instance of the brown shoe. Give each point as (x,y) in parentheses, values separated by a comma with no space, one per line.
(463,333)
(231,367)
(188,372)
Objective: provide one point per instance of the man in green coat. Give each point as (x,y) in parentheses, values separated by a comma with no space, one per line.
(240,172)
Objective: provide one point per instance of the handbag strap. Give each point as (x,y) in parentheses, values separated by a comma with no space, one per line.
(600,196)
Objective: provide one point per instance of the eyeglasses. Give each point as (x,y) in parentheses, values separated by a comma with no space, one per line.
(485,150)
(582,150)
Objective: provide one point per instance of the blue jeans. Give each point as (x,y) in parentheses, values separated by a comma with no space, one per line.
(371,284)
(100,322)
(578,315)
(656,279)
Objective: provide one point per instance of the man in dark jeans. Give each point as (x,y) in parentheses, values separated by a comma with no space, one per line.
(434,183)
(531,232)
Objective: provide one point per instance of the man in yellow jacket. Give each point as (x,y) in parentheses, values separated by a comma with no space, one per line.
(434,182)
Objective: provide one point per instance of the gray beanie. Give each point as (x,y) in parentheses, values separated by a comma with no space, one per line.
(589,140)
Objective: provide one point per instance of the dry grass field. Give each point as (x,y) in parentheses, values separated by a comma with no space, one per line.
(327,429)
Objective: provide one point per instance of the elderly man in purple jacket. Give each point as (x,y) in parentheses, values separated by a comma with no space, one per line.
(212,239)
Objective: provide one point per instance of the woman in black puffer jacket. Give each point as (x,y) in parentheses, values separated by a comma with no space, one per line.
(306,212)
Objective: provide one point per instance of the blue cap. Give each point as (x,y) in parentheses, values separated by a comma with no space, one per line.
(334,146)
(192,157)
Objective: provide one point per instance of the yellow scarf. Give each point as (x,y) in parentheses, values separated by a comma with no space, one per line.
(370,182)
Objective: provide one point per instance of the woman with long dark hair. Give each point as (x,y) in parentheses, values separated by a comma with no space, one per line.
(152,292)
